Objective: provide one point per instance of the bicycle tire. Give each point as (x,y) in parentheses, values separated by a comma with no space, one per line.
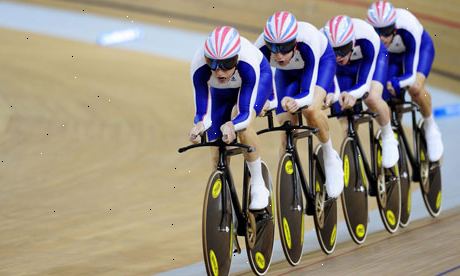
(430,176)
(217,244)
(388,190)
(354,202)
(260,254)
(325,216)
(290,218)
(405,179)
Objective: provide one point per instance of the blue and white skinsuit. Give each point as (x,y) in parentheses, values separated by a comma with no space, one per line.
(249,88)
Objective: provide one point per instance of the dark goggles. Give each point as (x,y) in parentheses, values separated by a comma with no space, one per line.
(344,50)
(385,31)
(282,48)
(224,64)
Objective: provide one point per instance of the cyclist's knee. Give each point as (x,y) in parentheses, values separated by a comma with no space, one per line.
(312,113)
(416,90)
(373,100)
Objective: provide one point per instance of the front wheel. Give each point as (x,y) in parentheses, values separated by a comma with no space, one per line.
(325,215)
(388,191)
(217,226)
(261,231)
(289,206)
(430,176)
(354,195)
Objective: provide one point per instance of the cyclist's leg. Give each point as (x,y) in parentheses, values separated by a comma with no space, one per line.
(286,85)
(375,102)
(248,136)
(421,96)
(332,162)
(317,118)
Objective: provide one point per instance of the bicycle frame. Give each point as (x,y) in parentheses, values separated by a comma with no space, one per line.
(352,123)
(226,178)
(291,138)
(397,111)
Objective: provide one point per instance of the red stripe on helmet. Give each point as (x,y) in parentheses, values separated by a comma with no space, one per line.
(277,33)
(348,34)
(225,31)
(267,33)
(216,40)
(208,50)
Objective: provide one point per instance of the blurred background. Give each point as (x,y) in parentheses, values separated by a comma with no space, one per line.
(95,99)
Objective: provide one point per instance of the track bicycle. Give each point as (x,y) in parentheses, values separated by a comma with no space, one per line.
(292,187)
(224,218)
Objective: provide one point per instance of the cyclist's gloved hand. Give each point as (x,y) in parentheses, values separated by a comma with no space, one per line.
(346,100)
(195,132)
(328,100)
(228,132)
(289,104)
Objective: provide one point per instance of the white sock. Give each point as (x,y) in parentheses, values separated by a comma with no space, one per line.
(387,131)
(327,147)
(429,121)
(255,168)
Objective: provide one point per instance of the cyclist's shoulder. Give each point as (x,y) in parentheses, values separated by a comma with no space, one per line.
(407,21)
(309,36)
(249,53)
(198,59)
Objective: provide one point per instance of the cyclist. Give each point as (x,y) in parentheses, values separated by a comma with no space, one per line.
(229,71)
(362,70)
(411,54)
(305,68)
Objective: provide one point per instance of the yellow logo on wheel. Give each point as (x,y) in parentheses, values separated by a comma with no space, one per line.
(360,231)
(317,187)
(379,157)
(288,167)
(333,235)
(422,155)
(438,200)
(216,188)
(346,170)
(287,233)
(391,217)
(260,260)
(214,264)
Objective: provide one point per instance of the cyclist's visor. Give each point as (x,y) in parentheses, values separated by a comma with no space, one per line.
(385,31)
(282,48)
(344,50)
(224,64)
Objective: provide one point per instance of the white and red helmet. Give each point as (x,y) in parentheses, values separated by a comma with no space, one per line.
(280,28)
(339,30)
(381,14)
(223,42)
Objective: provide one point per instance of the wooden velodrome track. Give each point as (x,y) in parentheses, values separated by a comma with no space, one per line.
(90,180)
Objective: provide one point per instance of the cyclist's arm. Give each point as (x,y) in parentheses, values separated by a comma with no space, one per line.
(366,70)
(200,77)
(410,61)
(309,74)
(247,96)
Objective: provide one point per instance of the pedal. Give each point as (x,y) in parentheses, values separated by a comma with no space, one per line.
(262,216)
